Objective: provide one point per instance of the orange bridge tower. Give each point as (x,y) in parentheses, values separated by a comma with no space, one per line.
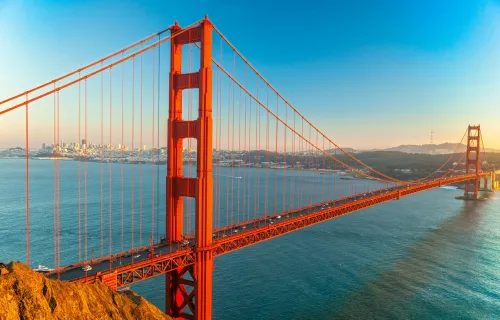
(473,164)
(188,290)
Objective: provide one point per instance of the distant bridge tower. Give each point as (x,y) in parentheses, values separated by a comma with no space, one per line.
(188,290)
(473,164)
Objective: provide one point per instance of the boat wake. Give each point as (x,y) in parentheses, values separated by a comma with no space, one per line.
(233,177)
(449,187)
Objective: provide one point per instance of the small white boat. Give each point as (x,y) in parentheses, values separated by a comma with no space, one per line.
(42,269)
(86,268)
(123,289)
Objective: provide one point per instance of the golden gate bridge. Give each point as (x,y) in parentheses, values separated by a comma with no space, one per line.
(241,123)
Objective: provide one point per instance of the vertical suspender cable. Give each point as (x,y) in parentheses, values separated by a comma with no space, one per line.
(277,159)
(110,149)
(54,150)
(284,204)
(301,190)
(249,158)
(239,158)
(335,174)
(152,155)
(58,193)
(216,132)
(79,172)
(158,142)
(140,169)
(323,166)
(232,161)
(132,193)
(216,128)
(85,169)
(101,164)
(292,161)
(246,191)
(228,146)
(121,167)
(232,147)
(257,140)
(27,188)
(266,196)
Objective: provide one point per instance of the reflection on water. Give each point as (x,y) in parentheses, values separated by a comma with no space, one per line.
(429,282)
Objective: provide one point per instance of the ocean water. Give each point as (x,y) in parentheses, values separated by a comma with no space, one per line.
(426,256)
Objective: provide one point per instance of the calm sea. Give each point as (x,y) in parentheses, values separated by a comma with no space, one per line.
(427,256)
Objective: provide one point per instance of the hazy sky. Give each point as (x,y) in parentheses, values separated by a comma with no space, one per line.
(370,74)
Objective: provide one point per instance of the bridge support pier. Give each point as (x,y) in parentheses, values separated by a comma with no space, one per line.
(179,300)
(179,293)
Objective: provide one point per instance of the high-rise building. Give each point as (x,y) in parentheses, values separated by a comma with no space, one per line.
(145,148)
(43,146)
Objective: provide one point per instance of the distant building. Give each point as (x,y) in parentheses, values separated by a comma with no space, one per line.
(43,146)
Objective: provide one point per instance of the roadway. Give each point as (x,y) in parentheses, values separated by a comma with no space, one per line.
(139,266)
(103,264)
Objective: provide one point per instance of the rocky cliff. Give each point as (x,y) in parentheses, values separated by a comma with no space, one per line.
(25,294)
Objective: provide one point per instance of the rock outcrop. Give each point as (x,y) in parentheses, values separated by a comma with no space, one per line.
(25,294)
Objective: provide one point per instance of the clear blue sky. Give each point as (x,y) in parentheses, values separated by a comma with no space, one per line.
(369,73)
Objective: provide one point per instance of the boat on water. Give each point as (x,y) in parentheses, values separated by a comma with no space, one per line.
(449,187)
(348,178)
(123,289)
(42,269)
(86,268)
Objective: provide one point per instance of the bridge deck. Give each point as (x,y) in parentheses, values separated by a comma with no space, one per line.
(130,270)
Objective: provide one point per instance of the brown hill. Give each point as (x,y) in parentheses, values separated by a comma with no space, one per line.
(25,294)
